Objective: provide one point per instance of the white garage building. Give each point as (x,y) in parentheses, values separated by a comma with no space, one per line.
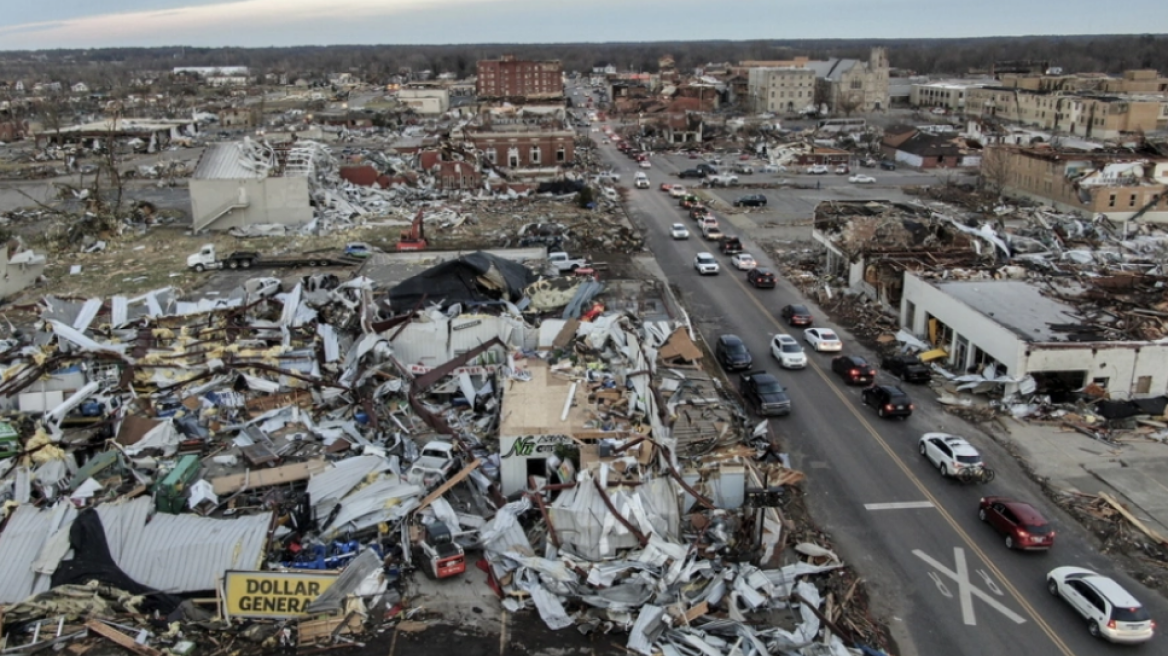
(1013,326)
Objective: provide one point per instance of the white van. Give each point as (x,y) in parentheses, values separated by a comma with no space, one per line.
(641,181)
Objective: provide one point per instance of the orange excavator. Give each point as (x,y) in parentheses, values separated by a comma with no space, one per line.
(413,239)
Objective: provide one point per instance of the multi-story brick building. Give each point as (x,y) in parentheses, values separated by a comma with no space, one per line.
(508,77)
(1089,114)
(518,147)
(781,89)
(1119,185)
(853,85)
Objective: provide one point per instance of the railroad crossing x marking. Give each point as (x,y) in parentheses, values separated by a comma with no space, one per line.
(966,590)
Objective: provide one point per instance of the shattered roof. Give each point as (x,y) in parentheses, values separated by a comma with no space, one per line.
(223,161)
(535,407)
(1017,305)
(475,278)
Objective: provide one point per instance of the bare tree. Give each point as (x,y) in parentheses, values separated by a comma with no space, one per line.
(996,170)
(849,102)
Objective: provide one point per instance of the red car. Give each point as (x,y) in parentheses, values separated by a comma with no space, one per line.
(1024,527)
(666,186)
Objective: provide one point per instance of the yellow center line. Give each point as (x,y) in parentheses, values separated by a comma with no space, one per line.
(1062,646)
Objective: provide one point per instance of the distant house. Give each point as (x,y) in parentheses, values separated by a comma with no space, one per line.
(923,150)
(80,87)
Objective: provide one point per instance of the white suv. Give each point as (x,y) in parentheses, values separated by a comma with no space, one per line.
(1111,612)
(949,453)
(788,352)
(706,264)
(641,181)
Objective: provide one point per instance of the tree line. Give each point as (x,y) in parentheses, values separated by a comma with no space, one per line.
(378,64)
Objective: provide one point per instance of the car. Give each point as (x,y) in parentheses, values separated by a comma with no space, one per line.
(842,169)
(1022,525)
(753,200)
(1112,613)
(358,249)
(691,173)
(774,168)
(860,178)
(732,353)
(706,264)
(707,220)
(889,401)
(645,164)
(676,191)
(818,169)
(666,187)
(641,181)
(706,169)
(822,339)
(950,454)
(689,200)
(744,169)
(868,163)
(764,393)
(712,232)
(699,212)
(796,315)
(908,368)
(887,165)
(854,369)
(679,231)
(744,157)
(692,155)
(731,246)
(788,352)
(743,261)
(761,278)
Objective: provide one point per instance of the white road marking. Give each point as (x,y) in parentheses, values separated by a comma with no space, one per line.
(965,588)
(940,585)
(989,582)
(899,505)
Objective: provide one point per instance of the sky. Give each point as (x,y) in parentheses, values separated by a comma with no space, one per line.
(48,24)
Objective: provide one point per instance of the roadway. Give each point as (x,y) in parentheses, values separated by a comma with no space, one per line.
(942,580)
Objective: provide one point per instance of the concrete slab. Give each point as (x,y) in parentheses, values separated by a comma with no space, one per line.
(1140,483)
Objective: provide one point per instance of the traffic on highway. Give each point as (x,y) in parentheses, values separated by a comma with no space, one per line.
(961,551)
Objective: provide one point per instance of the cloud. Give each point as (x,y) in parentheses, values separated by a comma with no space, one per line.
(172,25)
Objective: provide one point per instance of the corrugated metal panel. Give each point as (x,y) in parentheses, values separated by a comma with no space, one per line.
(223,161)
(27,532)
(185,553)
(123,523)
(87,314)
(326,488)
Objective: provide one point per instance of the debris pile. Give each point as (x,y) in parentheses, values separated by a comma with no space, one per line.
(305,454)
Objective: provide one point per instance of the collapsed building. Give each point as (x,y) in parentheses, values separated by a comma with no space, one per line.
(269,441)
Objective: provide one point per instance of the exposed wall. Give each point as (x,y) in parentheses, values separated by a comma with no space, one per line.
(269,200)
(19,270)
(996,340)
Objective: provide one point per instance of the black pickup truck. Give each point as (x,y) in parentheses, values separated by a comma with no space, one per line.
(908,368)
(731,246)
(764,392)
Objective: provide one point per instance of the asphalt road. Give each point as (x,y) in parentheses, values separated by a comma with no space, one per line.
(942,580)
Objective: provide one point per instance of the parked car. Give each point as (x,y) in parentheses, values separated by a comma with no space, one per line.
(706,264)
(764,393)
(842,169)
(1112,613)
(731,246)
(744,169)
(868,163)
(788,352)
(753,200)
(822,339)
(818,169)
(1022,525)
(887,165)
(679,231)
(860,178)
(796,315)
(706,169)
(666,187)
(889,401)
(691,173)
(908,368)
(732,353)
(761,278)
(774,168)
(949,453)
(854,369)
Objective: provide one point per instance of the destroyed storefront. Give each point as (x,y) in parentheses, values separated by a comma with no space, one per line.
(1010,329)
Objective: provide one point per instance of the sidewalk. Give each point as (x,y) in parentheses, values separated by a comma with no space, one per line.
(1133,472)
